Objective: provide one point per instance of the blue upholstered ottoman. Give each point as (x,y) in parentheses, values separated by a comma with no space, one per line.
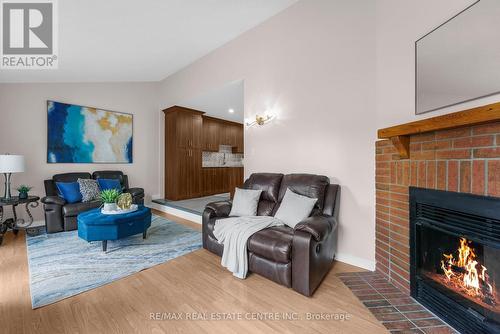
(95,226)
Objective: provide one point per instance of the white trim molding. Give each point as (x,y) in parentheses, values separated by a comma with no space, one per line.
(356,261)
(176,212)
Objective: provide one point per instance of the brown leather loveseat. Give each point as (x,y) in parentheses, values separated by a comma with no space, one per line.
(298,258)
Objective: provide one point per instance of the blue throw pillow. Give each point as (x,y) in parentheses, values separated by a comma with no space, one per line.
(70,191)
(106,184)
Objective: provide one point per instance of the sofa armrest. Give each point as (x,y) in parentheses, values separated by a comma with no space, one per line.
(313,250)
(219,209)
(213,211)
(319,227)
(55,200)
(135,192)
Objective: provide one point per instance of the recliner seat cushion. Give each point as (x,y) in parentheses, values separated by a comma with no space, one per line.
(274,243)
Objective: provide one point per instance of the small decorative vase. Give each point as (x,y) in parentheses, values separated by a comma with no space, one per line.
(109,206)
(23,195)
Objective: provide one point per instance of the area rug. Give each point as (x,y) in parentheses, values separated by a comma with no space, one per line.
(62,265)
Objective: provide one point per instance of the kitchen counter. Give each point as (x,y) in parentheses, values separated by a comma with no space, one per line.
(224,166)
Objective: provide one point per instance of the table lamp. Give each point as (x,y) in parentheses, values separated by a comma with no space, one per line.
(10,164)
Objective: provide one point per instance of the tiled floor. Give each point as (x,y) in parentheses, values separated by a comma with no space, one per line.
(398,312)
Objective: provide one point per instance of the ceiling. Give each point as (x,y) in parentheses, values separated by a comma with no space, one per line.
(218,102)
(147,40)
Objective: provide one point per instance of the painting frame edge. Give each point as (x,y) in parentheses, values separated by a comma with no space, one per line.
(84,163)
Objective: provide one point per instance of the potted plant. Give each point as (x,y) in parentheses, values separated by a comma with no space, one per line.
(23,191)
(109,198)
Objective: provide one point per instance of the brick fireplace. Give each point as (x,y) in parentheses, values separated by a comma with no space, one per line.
(463,159)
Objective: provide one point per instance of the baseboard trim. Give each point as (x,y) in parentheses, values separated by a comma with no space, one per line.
(176,212)
(153,197)
(355,261)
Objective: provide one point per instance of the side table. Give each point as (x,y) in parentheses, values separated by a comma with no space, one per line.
(15,223)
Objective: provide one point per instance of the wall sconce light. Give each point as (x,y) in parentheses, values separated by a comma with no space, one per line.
(260,120)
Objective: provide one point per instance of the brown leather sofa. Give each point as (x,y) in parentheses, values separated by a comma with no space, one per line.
(298,258)
(61,216)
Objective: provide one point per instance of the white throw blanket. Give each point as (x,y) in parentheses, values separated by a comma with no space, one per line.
(233,233)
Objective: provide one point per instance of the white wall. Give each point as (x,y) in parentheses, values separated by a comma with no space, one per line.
(314,65)
(23,128)
(399,24)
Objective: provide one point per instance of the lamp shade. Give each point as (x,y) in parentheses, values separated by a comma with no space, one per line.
(11,163)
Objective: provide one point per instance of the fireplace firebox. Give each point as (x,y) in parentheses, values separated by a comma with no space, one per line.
(455,257)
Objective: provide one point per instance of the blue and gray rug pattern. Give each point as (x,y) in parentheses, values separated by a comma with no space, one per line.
(62,265)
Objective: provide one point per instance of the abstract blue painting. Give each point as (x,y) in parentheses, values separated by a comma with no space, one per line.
(77,134)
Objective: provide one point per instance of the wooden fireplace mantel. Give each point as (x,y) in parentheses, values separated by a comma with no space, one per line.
(400,134)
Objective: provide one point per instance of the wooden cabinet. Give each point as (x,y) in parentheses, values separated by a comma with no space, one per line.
(183,153)
(230,134)
(189,129)
(239,147)
(211,134)
(187,134)
(218,132)
(218,180)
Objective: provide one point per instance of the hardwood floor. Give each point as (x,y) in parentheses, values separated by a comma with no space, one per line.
(194,284)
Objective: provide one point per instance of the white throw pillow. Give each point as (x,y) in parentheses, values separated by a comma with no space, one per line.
(245,202)
(294,208)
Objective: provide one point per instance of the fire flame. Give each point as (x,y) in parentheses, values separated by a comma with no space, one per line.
(465,271)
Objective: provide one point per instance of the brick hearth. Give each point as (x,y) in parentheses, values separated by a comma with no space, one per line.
(466,160)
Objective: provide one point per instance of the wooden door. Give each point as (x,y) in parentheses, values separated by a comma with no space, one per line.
(206,134)
(183,174)
(184,129)
(239,139)
(215,136)
(219,180)
(224,133)
(232,134)
(211,135)
(189,178)
(189,129)
(195,173)
(196,129)
(207,181)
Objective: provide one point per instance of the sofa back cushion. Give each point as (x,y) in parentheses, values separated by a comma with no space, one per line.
(112,174)
(269,183)
(310,185)
(50,185)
